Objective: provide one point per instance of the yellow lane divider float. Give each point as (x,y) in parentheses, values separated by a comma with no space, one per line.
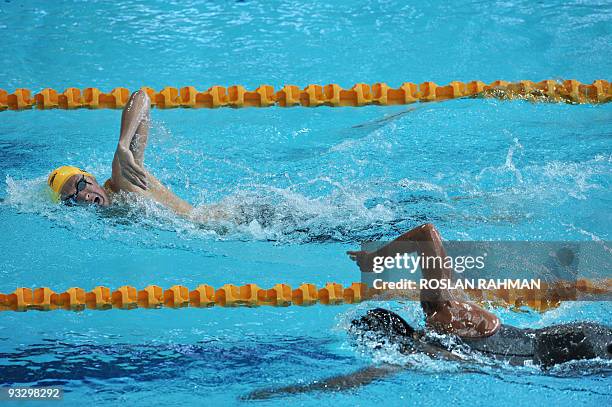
(251,295)
(361,94)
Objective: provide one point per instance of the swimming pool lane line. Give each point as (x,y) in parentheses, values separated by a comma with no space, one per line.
(281,295)
(361,94)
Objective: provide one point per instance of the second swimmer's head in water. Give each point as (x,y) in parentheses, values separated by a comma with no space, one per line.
(72,185)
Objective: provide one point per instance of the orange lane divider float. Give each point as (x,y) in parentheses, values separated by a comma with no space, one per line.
(281,295)
(361,94)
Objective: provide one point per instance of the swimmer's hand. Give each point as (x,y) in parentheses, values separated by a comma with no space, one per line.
(131,171)
(364,260)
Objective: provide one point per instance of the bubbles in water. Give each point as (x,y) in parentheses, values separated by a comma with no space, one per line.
(373,196)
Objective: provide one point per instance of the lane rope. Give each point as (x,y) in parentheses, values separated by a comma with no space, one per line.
(361,94)
(281,295)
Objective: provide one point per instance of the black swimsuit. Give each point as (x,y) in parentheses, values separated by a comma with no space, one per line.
(545,347)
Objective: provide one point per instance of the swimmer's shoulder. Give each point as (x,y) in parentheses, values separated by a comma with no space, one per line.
(119,184)
(109,187)
(463,319)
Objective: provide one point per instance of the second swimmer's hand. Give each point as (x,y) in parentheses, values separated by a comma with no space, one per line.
(363,260)
(131,171)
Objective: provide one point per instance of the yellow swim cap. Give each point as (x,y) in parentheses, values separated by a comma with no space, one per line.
(59,176)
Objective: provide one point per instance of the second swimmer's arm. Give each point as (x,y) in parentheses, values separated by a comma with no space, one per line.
(424,240)
(334,384)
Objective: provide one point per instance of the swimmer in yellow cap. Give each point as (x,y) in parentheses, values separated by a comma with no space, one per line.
(73,185)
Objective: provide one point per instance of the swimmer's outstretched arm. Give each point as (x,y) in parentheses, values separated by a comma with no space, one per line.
(337,383)
(353,380)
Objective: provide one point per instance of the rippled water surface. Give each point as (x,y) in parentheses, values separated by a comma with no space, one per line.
(303,185)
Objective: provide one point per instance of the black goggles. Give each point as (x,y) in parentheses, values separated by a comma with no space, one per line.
(80,186)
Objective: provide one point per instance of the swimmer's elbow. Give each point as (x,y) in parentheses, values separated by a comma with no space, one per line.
(141,98)
(429,227)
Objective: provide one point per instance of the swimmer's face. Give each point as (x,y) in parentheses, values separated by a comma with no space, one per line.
(84,189)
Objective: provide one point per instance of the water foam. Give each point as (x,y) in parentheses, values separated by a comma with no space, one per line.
(351,211)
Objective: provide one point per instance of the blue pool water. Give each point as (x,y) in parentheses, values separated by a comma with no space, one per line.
(306,184)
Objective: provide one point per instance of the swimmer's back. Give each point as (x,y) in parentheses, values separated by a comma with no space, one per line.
(547,346)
